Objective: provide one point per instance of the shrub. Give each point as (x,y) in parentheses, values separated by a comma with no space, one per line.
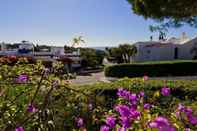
(30,97)
(153,69)
(181,88)
(134,111)
(14,59)
(33,97)
(161,99)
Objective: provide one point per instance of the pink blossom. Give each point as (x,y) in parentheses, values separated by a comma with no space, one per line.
(165,91)
(192,120)
(147,106)
(31,108)
(19,129)
(111,121)
(104,128)
(79,122)
(145,78)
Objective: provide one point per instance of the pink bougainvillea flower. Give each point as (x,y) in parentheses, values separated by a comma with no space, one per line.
(141,94)
(19,129)
(162,121)
(133,107)
(134,114)
(123,110)
(122,129)
(133,97)
(80,122)
(181,107)
(127,95)
(125,122)
(187,129)
(90,106)
(110,121)
(192,119)
(153,125)
(188,111)
(104,128)
(123,93)
(147,106)
(31,108)
(165,91)
(162,124)
(22,78)
(177,113)
(145,78)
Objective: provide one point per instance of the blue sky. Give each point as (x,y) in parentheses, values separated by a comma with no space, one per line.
(56,22)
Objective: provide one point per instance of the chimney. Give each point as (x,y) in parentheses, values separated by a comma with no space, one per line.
(184,36)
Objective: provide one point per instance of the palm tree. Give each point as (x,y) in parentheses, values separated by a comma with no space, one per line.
(132,52)
(128,51)
(124,51)
(77,41)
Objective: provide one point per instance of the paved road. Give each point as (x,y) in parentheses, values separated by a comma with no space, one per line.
(175,78)
(95,77)
(89,79)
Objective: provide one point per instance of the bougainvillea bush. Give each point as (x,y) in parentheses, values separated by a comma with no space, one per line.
(136,112)
(36,98)
(33,97)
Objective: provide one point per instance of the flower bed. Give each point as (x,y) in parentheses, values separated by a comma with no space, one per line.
(33,97)
(15,59)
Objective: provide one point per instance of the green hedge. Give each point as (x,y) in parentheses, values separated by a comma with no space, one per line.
(167,68)
(181,88)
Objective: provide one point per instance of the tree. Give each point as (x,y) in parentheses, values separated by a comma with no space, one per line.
(123,53)
(12,46)
(69,49)
(100,56)
(77,41)
(91,58)
(124,49)
(127,52)
(114,54)
(169,13)
(162,35)
(38,48)
(132,51)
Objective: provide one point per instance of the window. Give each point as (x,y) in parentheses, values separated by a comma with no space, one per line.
(176,53)
(148,51)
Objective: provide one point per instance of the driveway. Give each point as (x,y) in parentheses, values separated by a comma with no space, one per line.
(89,79)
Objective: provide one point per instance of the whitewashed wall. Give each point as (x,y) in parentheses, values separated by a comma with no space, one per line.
(154,51)
(158,51)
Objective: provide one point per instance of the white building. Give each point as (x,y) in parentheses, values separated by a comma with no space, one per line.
(57,51)
(3,46)
(171,49)
(26,45)
(24,48)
